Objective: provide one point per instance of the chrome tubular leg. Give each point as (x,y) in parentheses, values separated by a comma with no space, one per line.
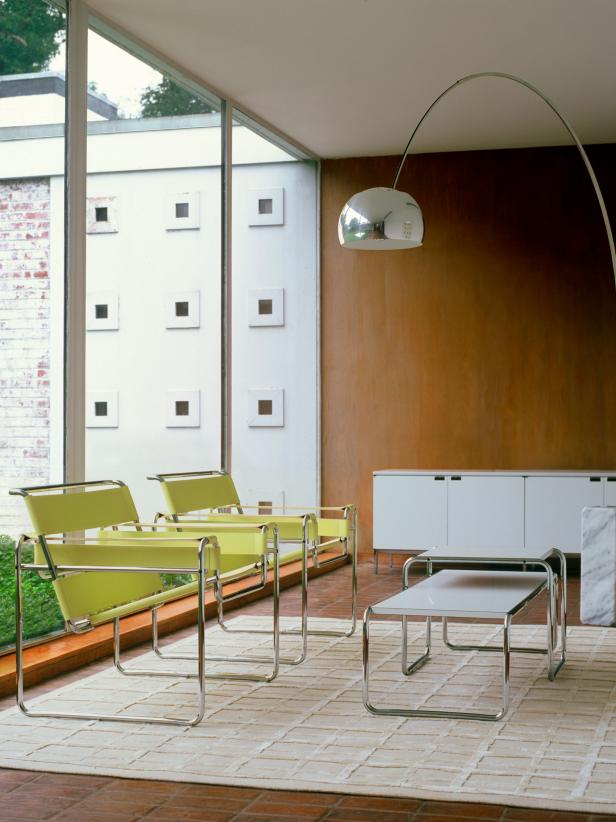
(563,610)
(19,627)
(429,712)
(353,623)
(506,665)
(366,662)
(551,615)
(407,669)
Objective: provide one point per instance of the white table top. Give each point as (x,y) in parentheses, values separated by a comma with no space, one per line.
(488,554)
(475,594)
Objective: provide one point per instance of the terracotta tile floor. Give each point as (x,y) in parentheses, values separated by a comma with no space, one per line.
(37,796)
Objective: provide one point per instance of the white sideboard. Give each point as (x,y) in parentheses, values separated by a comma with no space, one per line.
(415,510)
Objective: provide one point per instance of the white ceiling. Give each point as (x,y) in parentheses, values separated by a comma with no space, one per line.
(352,77)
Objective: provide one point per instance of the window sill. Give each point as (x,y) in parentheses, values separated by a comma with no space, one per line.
(68,652)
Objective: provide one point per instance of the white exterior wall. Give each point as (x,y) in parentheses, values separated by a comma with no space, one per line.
(142,360)
(276,464)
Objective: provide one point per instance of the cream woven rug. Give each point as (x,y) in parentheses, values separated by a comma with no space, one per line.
(308,729)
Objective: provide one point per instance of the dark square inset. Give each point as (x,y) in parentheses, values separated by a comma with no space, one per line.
(100,409)
(101,311)
(266,205)
(181,408)
(265,306)
(265,408)
(101,214)
(266,507)
(181,309)
(181,210)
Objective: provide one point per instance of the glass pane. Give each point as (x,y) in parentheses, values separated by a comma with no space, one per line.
(153,277)
(274,335)
(32,92)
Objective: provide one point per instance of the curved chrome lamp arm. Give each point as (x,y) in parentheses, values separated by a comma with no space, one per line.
(561,117)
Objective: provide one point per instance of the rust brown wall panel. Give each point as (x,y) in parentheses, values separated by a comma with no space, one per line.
(493,346)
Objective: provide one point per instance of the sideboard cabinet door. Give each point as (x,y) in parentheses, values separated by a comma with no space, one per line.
(409,512)
(486,512)
(554,510)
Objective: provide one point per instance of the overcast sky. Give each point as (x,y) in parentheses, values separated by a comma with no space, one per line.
(116,73)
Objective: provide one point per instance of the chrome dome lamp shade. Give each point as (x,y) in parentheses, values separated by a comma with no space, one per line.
(381,218)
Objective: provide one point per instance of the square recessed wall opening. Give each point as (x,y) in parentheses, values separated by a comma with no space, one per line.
(266,206)
(183,409)
(102,215)
(182,211)
(265,408)
(102,311)
(265,306)
(181,308)
(102,409)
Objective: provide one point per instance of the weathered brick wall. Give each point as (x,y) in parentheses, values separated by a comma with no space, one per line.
(24,343)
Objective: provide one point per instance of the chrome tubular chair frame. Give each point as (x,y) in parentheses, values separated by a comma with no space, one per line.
(275,659)
(408,670)
(201,571)
(308,547)
(556,588)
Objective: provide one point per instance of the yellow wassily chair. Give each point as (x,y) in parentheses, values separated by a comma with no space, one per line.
(213,495)
(102,578)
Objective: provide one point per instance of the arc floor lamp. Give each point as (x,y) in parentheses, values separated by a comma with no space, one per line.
(384,218)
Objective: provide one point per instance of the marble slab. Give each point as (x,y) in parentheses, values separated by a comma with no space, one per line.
(598,572)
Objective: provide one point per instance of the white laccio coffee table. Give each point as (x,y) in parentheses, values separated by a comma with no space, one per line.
(525,558)
(455,594)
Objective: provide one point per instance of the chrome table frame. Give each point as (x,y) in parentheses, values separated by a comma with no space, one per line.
(557,589)
(408,670)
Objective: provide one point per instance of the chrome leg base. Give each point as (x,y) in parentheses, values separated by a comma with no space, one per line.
(417,664)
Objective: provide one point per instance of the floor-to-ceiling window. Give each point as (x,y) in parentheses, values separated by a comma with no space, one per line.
(167,373)
(274,452)
(153,275)
(32,99)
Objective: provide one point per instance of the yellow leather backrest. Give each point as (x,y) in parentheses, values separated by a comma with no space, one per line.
(79,509)
(199,493)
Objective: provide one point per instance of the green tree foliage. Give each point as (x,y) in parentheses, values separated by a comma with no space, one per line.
(30,35)
(167,99)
